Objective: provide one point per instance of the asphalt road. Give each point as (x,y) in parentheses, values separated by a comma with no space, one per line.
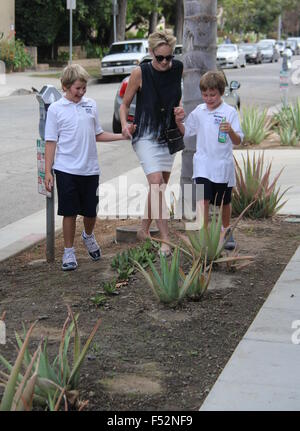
(19,117)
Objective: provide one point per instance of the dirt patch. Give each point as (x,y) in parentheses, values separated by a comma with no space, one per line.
(145,356)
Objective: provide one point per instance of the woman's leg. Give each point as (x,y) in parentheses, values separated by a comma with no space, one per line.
(156,207)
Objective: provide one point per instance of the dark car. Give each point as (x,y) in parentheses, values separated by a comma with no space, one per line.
(252,52)
(230,96)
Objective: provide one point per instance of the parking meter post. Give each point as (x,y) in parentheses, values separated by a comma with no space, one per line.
(45,97)
(50,228)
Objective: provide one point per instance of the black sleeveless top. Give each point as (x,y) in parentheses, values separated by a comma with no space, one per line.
(148,117)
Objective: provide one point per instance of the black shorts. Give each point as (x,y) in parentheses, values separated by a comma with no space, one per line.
(214,191)
(77,194)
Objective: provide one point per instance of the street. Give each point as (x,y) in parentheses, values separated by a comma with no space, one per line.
(19,131)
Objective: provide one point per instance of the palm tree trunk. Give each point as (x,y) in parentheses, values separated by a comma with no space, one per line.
(179,21)
(121,19)
(199,48)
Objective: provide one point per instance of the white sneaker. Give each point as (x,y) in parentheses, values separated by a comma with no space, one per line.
(69,261)
(91,246)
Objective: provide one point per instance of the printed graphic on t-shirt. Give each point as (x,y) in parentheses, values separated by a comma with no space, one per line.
(218,118)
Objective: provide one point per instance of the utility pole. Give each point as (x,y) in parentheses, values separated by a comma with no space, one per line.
(71,4)
(115,13)
(279,27)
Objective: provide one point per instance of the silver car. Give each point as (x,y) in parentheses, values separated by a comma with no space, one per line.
(230,96)
(230,55)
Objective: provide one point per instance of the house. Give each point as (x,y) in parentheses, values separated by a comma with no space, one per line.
(7,18)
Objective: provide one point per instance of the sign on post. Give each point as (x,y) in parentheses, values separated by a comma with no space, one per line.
(71,4)
(40,147)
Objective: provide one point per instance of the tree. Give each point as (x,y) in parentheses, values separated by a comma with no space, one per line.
(179,18)
(199,48)
(121,19)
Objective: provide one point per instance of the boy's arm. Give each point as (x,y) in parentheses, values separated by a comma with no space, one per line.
(50,148)
(235,138)
(109,137)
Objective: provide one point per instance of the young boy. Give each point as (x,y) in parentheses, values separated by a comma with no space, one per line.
(213,164)
(72,129)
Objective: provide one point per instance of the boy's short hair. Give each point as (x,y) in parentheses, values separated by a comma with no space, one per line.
(212,81)
(161,37)
(72,73)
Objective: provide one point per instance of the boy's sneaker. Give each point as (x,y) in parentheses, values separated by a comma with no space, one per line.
(69,261)
(91,245)
(230,243)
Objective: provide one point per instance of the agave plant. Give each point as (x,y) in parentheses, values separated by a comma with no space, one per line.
(288,136)
(253,185)
(255,125)
(170,285)
(295,112)
(19,396)
(201,282)
(56,380)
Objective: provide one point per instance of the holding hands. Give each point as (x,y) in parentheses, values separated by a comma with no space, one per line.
(128,130)
(179,114)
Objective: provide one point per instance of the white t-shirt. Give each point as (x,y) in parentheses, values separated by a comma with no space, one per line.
(213,160)
(74,126)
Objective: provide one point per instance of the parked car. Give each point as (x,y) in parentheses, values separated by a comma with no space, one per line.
(123,57)
(252,52)
(229,55)
(280,45)
(178,52)
(269,52)
(230,96)
(294,44)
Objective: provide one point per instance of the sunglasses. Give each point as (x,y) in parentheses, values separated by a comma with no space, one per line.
(160,58)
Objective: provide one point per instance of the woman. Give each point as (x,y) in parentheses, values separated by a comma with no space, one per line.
(157,85)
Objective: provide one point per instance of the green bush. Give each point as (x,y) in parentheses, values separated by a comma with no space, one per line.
(15,55)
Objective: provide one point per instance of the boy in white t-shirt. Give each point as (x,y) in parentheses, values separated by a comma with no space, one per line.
(213,164)
(72,129)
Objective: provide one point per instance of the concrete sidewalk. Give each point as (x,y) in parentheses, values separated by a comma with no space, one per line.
(18,83)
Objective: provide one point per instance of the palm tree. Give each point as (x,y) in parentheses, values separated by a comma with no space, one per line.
(199,48)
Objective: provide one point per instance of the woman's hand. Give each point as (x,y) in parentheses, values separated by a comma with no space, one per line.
(179,114)
(128,130)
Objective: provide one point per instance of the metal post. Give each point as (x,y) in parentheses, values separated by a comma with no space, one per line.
(71,32)
(279,27)
(115,5)
(50,221)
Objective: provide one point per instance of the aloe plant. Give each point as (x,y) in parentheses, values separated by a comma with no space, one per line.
(253,184)
(19,396)
(201,282)
(255,125)
(59,378)
(170,285)
(287,136)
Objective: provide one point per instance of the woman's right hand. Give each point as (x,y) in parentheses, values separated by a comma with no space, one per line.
(128,130)
(48,181)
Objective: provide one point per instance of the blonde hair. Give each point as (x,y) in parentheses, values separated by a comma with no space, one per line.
(72,73)
(162,37)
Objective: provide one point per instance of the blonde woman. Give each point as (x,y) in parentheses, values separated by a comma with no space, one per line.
(157,85)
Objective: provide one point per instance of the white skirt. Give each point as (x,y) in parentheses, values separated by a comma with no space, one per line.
(153,156)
